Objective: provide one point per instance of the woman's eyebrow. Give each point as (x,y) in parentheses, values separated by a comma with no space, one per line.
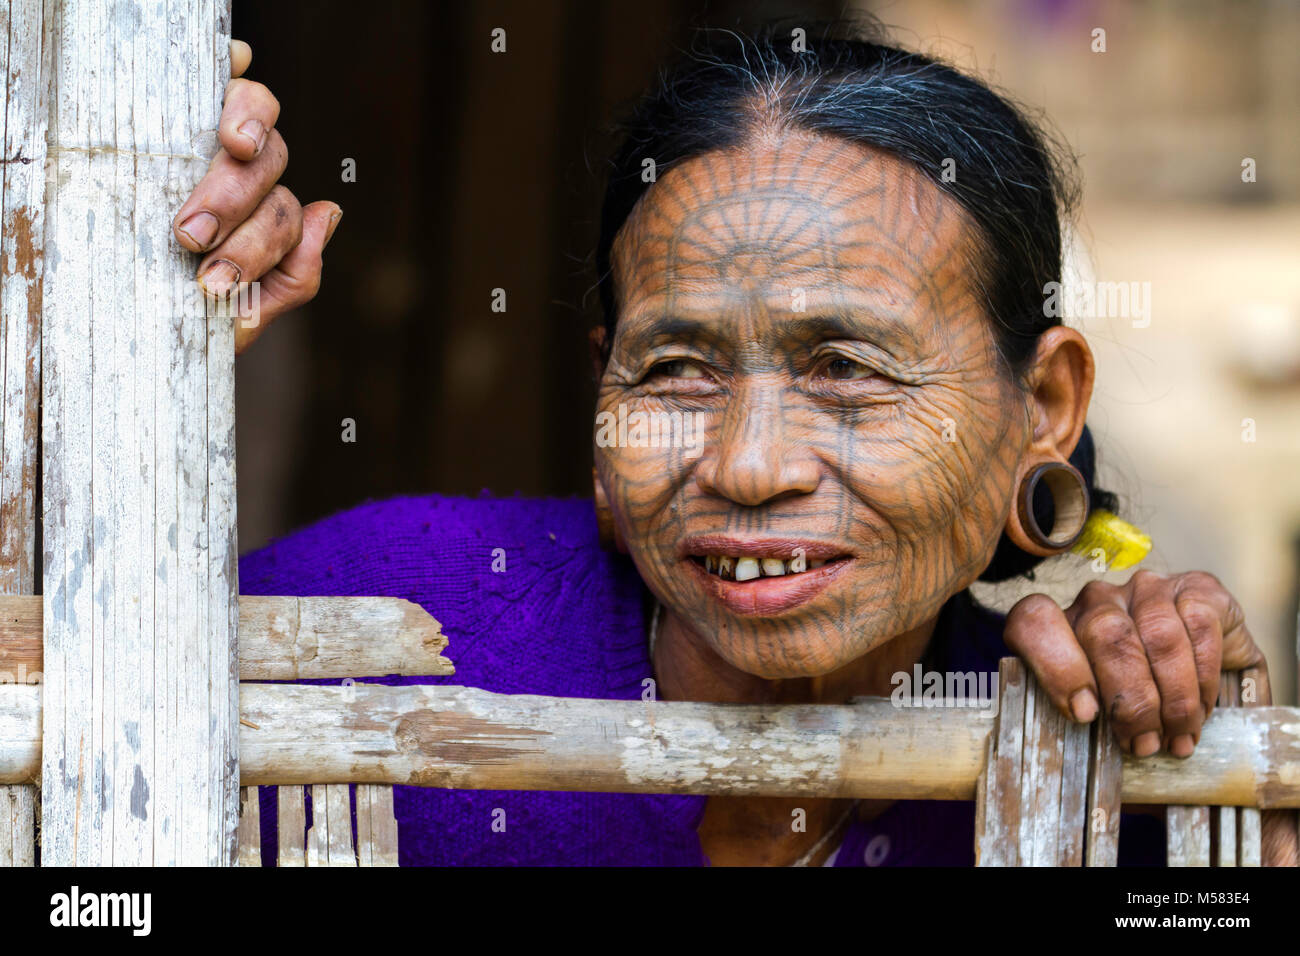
(862,325)
(673,327)
(868,327)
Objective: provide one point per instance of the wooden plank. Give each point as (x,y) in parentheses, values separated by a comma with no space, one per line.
(280,638)
(1224,822)
(1071,832)
(1187,832)
(318,834)
(290,638)
(1031,801)
(25,66)
(1249,837)
(463,737)
(20,639)
(1224,819)
(18,826)
(341,852)
(376,826)
(997,810)
(427,735)
(1250,830)
(250,828)
(141,691)
(26,69)
(1105,772)
(1040,791)
(365,848)
(291,810)
(329,841)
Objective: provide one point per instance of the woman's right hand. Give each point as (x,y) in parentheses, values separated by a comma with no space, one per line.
(248,227)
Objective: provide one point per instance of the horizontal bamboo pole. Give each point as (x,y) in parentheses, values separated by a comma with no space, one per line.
(465,738)
(280,638)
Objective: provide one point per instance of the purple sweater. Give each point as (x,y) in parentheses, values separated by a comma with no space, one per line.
(566,618)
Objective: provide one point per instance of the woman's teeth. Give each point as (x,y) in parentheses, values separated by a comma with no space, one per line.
(747,569)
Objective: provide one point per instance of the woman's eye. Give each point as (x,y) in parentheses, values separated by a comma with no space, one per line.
(845,369)
(677,368)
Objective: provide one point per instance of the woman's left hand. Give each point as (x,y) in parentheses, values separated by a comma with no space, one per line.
(1149,651)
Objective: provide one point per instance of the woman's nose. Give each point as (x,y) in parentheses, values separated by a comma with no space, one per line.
(759,455)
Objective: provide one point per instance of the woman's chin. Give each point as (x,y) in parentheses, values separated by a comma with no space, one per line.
(786,657)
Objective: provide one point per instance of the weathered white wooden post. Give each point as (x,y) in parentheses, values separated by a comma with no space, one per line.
(26,110)
(140,719)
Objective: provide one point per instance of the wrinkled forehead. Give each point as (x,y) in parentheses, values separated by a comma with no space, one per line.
(795,212)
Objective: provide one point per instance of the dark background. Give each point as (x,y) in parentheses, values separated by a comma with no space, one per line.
(475,171)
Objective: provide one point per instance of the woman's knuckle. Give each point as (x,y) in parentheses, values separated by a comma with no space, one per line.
(1146,576)
(1097,590)
(1198,618)
(1137,707)
(1111,629)
(284,201)
(1202,580)
(275,151)
(1180,709)
(228,194)
(1164,637)
(253,87)
(303,286)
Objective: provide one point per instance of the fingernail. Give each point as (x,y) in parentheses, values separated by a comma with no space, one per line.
(201,228)
(1147,744)
(221,277)
(1084,706)
(255,133)
(1182,745)
(333,224)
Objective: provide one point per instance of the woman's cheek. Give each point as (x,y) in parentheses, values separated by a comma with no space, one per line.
(940,476)
(642,479)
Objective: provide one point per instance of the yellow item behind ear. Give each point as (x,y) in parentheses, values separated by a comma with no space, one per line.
(1121,544)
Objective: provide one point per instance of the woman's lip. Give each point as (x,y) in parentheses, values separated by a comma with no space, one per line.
(769,596)
(786,548)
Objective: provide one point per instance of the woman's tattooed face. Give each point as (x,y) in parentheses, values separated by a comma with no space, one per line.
(803,429)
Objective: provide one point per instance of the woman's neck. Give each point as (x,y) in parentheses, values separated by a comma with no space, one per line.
(686,668)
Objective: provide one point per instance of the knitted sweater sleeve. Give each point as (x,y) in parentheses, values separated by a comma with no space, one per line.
(530,604)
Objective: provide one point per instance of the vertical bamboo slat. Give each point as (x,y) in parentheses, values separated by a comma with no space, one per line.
(329,841)
(1187,832)
(1225,818)
(1105,775)
(250,828)
(1218,836)
(997,793)
(291,825)
(1249,824)
(376,826)
(140,746)
(1032,799)
(26,72)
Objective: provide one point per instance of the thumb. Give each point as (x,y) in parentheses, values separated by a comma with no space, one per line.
(1038,631)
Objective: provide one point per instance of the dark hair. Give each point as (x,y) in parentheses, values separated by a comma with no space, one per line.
(849,84)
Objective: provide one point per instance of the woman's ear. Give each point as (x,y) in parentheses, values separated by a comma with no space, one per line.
(596,346)
(606,527)
(1060,388)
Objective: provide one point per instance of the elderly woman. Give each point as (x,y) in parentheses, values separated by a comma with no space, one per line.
(829,267)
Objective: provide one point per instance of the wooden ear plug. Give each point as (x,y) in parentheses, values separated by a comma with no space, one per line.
(1070,500)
